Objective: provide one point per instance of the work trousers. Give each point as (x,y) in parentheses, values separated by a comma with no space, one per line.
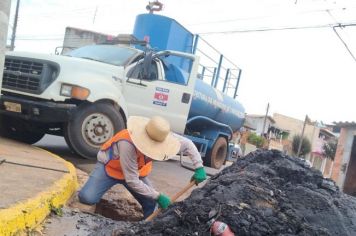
(99,182)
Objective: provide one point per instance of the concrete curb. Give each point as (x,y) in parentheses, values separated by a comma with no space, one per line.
(25,216)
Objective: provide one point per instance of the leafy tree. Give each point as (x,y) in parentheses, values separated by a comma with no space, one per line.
(256,140)
(329,149)
(306,145)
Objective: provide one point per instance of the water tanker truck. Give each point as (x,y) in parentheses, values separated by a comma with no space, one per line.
(87,94)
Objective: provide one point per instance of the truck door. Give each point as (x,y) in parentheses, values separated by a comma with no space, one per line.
(158,95)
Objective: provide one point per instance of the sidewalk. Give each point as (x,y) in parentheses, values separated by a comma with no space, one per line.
(33,182)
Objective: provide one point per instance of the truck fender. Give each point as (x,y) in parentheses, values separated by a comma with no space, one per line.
(209,127)
(214,136)
(113,95)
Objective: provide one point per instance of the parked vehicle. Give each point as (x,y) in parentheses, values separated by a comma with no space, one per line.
(87,94)
(236,152)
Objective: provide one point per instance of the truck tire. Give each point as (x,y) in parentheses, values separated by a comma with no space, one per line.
(18,130)
(216,157)
(66,136)
(91,126)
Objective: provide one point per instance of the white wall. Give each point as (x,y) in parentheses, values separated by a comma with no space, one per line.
(257,122)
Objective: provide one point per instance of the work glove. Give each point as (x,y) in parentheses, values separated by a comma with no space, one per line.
(163,201)
(199,175)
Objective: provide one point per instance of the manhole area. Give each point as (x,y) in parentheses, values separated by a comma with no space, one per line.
(120,209)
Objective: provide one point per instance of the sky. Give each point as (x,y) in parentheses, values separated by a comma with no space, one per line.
(288,51)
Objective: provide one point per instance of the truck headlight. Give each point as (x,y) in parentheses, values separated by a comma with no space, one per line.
(73,91)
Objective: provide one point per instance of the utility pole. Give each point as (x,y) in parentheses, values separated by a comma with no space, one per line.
(13,36)
(96,10)
(302,135)
(265,119)
(4,25)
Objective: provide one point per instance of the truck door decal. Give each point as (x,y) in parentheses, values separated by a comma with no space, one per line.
(161,96)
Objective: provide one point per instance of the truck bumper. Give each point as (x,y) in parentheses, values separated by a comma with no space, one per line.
(42,111)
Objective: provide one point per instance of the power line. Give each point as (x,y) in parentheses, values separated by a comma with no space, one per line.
(278,29)
(54,38)
(344,43)
(339,36)
(61,13)
(268,16)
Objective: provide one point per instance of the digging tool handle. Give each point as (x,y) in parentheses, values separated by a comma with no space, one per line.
(173,199)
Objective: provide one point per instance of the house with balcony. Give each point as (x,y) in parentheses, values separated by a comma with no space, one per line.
(266,126)
(261,123)
(317,157)
(317,134)
(287,127)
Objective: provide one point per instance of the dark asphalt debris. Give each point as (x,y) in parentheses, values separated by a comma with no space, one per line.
(263,193)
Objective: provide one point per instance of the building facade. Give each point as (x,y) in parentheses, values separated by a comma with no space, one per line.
(344,169)
(257,121)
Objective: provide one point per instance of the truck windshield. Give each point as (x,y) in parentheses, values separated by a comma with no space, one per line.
(104,53)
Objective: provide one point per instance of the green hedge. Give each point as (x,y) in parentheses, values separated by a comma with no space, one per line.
(256,140)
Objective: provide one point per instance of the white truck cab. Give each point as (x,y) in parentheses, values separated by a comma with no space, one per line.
(88,94)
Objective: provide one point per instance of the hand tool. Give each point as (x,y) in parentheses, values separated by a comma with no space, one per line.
(173,199)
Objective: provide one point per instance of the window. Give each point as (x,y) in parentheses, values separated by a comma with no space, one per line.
(177,69)
(109,54)
(136,72)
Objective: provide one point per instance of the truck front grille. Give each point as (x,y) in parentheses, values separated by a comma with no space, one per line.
(27,75)
(22,75)
(27,67)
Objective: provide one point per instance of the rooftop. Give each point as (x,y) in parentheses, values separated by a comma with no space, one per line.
(345,124)
(260,116)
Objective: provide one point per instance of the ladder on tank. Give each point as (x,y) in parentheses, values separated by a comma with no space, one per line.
(215,69)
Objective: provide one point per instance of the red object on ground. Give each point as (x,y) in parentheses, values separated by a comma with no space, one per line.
(219,228)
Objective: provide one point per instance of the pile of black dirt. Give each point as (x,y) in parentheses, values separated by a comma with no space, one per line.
(263,193)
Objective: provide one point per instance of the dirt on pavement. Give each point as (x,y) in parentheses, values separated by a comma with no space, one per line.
(264,193)
(78,219)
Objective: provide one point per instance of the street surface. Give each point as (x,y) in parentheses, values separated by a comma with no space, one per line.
(168,177)
(58,146)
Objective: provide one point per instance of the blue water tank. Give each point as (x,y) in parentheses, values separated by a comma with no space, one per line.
(164,33)
(211,103)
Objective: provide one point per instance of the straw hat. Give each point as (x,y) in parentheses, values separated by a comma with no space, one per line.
(153,137)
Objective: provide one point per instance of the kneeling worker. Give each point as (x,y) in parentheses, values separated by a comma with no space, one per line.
(127,159)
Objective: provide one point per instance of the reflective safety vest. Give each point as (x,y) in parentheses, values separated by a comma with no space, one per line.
(113,166)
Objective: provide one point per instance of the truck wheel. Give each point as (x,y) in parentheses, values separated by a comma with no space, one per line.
(91,127)
(17,129)
(217,155)
(66,137)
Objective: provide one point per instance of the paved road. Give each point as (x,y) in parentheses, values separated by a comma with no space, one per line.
(168,176)
(58,146)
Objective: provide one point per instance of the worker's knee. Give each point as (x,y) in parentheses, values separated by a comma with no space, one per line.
(87,198)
